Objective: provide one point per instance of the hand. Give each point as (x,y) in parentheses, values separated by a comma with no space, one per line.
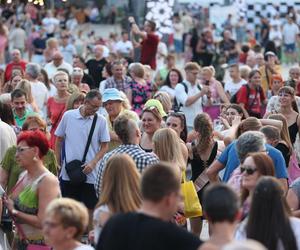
(224,122)
(205,90)
(88,167)
(236,120)
(131,19)
(9,203)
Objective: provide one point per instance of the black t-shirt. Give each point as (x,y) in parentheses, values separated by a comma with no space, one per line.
(136,231)
(88,80)
(285,152)
(95,70)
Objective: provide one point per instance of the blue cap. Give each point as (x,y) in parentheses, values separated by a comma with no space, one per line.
(112,95)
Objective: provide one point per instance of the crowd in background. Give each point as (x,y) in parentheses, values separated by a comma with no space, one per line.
(119,127)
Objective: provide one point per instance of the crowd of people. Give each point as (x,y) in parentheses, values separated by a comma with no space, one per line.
(101,139)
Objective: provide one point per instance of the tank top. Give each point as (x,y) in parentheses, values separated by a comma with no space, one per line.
(27,202)
(293,130)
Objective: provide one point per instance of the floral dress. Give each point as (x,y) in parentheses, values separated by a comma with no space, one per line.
(140,94)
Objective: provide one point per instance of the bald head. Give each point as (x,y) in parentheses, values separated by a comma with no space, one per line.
(16,55)
(57,58)
(98,50)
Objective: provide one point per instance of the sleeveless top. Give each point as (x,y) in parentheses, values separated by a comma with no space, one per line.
(27,202)
(293,130)
(197,164)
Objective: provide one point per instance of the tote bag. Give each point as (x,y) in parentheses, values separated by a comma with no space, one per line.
(192,206)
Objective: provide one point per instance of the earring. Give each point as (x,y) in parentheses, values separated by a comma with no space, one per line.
(34,158)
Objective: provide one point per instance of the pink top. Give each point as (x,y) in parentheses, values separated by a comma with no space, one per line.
(216,100)
(55,113)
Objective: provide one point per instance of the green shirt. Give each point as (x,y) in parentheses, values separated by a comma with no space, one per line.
(14,170)
(20,120)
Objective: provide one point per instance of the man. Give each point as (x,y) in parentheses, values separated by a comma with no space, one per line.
(228,48)
(260,61)
(231,87)
(236,152)
(19,102)
(73,129)
(96,65)
(290,33)
(16,62)
(7,138)
(150,228)
(39,45)
(38,89)
(162,73)
(127,131)
(149,42)
(17,38)
(124,47)
(50,24)
(221,207)
(57,63)
(264,31)
(67,49)
(118,79)
(189,94)
(78,62)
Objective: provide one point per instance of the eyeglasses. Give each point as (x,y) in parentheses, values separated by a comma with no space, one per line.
(249,170)
(21,149)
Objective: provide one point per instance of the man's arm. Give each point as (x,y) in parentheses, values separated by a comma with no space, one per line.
(135,28)
(213,170)
(57,150)
(89,167)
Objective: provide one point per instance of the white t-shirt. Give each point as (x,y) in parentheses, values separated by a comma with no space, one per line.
(50,23)
(169,90)
(124,47)
(7,138)
(68,52)
(192,110)
(96,220)
(178,30)
(40,95)
(84,247)
(276,36)
(232,87)
(289,33)
(51,69)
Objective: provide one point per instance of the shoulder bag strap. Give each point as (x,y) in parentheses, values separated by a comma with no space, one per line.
(90,137)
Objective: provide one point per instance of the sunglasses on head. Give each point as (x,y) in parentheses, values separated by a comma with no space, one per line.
(248,170)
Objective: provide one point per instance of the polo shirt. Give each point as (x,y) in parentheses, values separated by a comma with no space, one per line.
(75,129)
(229,158)
(20,120)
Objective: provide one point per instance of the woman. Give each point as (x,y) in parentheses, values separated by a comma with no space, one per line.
(139,90)
(114,102)
(56,105)
(120,191)
(254,166)
(173,78)
(277,83)
(43,77)
(216,94)
(164,99)
(177,122)
(65,222)
(166,146)
(35,189)
(75,100)
(13,82)
(3,41)
(26,87)
(269,220)
(76,77)
(10,169)
(52,46)
(202,152)
(251,96)
(151,121)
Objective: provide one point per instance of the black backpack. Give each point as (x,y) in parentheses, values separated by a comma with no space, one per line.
(177,105)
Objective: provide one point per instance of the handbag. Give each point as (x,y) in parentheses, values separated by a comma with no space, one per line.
(192,206)
(74,168)
(293,169)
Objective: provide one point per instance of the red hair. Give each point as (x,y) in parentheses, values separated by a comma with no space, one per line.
(277,77)
(35,139)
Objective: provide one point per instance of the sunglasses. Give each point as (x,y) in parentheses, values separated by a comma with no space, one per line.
(249,171)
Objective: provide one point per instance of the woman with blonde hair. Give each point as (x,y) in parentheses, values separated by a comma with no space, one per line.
(65,222)
(166,145)
(26,87)
(216,95)
(164,99)
(120,191)
(75,100)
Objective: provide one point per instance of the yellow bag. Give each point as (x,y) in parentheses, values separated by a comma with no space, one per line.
(192,206)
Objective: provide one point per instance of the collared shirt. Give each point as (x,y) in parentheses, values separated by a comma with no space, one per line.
(140,157)
(20,120)
(75,129)
(121,85)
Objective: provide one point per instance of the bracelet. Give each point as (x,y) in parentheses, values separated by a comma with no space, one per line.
(15,212)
